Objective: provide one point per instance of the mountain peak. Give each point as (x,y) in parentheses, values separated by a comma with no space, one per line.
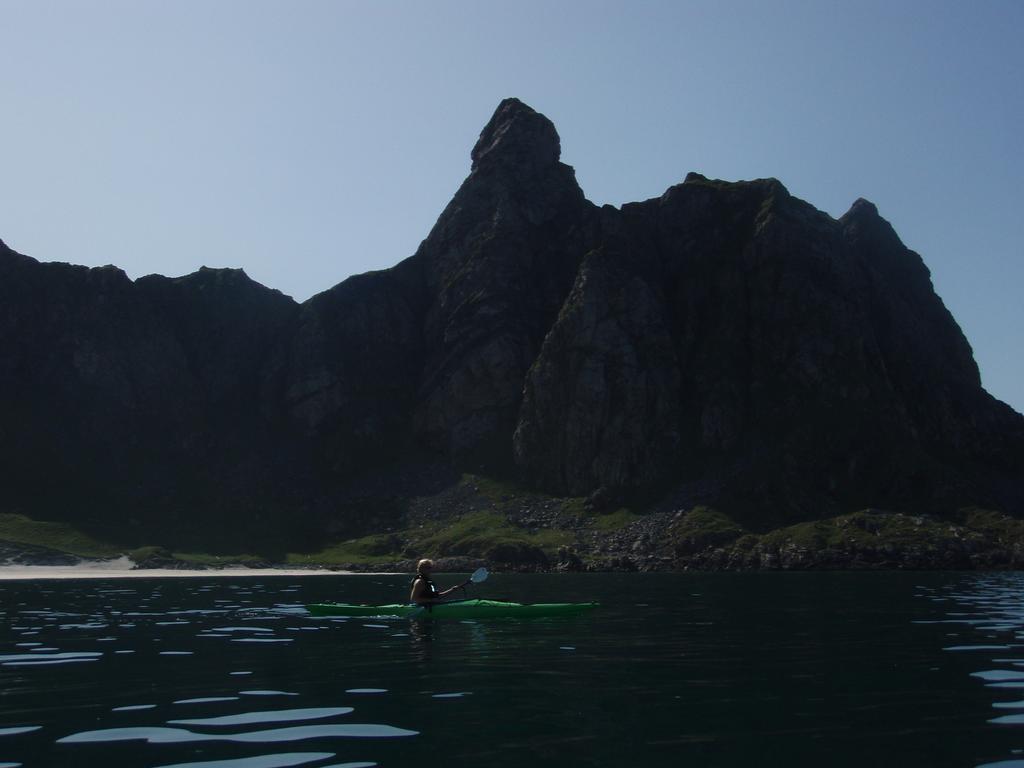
(9,253)
(864,221)
(862,208)
(517,136)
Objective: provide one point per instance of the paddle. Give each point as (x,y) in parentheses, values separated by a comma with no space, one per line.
(479,575)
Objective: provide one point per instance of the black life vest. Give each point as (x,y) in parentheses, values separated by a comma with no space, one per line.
(432,592)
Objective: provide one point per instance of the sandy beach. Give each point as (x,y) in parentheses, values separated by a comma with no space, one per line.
(122,568)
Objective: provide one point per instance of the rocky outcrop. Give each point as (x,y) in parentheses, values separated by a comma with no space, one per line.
(732,332)
(602,404)
(724,344)
(17,554)
(498,265)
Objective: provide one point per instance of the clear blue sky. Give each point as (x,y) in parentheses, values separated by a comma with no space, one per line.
(308,141)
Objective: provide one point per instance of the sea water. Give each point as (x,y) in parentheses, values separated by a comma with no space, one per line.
(816,669)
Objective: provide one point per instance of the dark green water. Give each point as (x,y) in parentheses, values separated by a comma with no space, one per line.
(700,670)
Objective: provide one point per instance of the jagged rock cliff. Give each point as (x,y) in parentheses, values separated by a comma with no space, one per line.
(724,344)
(136,406)
(762,356)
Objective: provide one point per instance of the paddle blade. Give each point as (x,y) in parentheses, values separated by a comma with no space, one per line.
(480,574)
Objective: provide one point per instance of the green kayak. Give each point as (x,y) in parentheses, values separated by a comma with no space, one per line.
(456,609)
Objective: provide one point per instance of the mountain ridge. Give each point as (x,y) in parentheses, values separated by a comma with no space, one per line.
(724,343)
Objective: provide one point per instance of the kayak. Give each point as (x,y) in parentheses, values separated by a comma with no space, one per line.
(456,609)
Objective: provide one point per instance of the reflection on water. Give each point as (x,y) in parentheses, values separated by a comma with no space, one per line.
(272,716)
(180,623)
(15,731)
(206,699)
(991,608)
(722,670)
(269,761)
(421,633)
(180,735)
(14,660)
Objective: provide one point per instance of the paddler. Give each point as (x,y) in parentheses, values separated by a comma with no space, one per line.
(424,591)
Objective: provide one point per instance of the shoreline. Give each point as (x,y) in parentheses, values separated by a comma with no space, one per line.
(115,570)
(122,568)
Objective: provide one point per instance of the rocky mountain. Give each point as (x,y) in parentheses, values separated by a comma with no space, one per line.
(726,345)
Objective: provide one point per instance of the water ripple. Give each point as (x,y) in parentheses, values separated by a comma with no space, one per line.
(45,662)
(21,729)
(1008,705)
(264,761)
(207,700)
(241,629)
(269,716)
(158,735)
(995,615)
(1008,720)
(999,675)
(52,656)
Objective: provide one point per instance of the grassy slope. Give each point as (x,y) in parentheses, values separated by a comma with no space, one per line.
(974,530)
(483,518)
(62,537)
(476,534)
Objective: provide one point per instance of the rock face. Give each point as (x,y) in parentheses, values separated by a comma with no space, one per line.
(498,265)
(733,332)
(724,344)
(136,406)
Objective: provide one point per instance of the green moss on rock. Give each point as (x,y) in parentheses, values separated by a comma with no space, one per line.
(478,533)
(613,521)
(703,528)
(376,549)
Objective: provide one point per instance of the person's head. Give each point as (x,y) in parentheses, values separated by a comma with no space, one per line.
(425,566)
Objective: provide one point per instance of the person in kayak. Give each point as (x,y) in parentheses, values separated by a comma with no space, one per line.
(424,591)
